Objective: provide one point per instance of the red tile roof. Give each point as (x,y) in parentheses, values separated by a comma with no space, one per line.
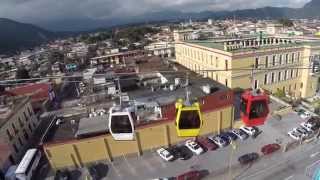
(38,91)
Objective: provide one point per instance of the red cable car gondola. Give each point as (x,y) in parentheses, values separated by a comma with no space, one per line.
(254,107)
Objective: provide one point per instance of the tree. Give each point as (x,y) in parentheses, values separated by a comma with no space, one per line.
(286,22)
(22,73)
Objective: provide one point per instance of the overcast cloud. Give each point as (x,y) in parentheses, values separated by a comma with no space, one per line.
(46,10)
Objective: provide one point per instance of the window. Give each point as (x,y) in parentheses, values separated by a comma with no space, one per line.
(267,61)
(280,59)
(295,86)
(25,116)
(279,76)
(285,74)
(189,120)
(256,84)
(292,57)
(301,85)
(265,79)
(30,127)
(20,122)
(26,136)
(20,141)
(226,64)
(15,148)
(291,73)
(298,58)
(256,65)
(287,58)
(226,81)
(30,112)
(272,77)
(273,60)
(297,72)
(14,128)
(9,134)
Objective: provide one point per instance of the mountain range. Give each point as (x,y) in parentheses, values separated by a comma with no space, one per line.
(309,10)
(15,36)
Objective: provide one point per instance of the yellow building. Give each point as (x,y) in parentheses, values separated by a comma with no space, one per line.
(277,63)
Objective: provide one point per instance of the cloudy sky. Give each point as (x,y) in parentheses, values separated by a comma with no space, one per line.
(46,10)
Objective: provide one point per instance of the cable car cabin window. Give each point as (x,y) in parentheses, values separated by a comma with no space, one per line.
(189,120)
(243,106)
(258,109)
(121,124)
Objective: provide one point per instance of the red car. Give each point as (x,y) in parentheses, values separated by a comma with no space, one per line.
(270,148)
(206,144)
(193,175)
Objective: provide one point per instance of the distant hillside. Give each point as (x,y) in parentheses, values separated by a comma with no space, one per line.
(15,36)
(310,10)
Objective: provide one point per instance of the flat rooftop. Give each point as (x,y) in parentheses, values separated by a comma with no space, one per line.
(243,45)
(148,92)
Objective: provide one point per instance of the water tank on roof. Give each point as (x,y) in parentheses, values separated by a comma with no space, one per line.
(176,81)
(172,87)
(206,89)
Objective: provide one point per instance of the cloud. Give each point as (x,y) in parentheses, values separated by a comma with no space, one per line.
(46,10)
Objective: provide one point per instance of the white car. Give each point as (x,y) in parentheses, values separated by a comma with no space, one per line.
(217,140)
(302,131)
(304,114)
(240,134)
(295,135)
(165,154)
(249,130)
(194,147)
(307,126)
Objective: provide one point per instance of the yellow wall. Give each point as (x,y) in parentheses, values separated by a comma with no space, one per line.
(81,152)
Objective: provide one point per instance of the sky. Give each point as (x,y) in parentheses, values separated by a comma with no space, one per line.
(48,10)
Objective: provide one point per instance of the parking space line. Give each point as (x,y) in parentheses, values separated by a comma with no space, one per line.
(131,169)
(290,177)
(116,170)
(147,165)
(314,154)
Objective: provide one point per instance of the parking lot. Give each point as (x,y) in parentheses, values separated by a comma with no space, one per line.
(221,163)
(150,165)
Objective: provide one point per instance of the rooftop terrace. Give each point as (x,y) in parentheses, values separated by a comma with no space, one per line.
(249,44)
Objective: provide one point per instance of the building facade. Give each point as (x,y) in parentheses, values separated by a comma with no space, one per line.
(277,64)
(17,124)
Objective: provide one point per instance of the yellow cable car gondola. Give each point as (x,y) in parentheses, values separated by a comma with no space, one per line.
(188,118)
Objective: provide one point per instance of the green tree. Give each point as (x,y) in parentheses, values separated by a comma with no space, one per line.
(286,22)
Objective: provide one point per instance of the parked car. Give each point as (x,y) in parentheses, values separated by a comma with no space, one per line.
(248,158)
(193,175)
(218,140)
(194,147)
(62,175)
(240,134)
(304,114)
(229,135)
(165,154)
(206,143)
(315,121)
(302,131)
(270,148)
(249,130)
(183,153)
(308,126)
(295,135)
